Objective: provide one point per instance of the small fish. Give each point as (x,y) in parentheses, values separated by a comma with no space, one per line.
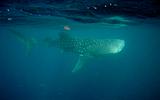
(67,28)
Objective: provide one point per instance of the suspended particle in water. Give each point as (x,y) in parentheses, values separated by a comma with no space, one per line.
(8,10)
(115,4)
(95,7)
(9,19)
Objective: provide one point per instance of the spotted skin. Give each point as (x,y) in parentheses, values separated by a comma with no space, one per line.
(88,48)
(91,47)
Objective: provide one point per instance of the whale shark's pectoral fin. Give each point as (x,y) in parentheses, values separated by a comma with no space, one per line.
(80,63)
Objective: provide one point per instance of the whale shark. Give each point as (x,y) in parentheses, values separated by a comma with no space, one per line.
(86,48)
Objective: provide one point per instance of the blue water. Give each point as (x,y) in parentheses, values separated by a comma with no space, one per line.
(132,74)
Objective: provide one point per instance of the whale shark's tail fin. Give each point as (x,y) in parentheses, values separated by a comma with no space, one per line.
(28,42)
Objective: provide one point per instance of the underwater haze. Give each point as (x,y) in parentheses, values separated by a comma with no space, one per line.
(46,72)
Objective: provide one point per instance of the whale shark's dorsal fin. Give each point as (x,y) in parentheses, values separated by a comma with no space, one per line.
(64,35)
(80,63)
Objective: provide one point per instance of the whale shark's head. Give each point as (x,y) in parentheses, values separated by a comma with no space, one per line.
(116,46)
(107,46)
